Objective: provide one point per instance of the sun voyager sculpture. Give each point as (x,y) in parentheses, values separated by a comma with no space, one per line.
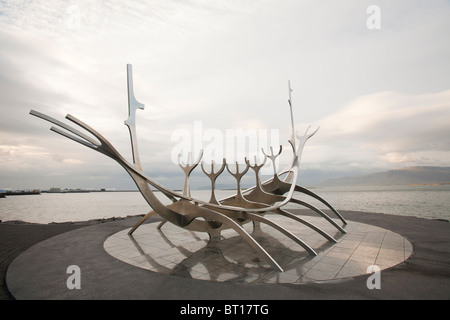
(213,216)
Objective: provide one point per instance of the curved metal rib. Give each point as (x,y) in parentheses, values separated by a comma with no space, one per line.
(141,221)
(259,218)
(306,223)
(323,214)
(88,141)
(316,196)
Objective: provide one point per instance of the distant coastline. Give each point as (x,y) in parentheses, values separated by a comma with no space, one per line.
(410,176)
(25,192)
(418,175)
(5,193)
(428,184)
(86,190)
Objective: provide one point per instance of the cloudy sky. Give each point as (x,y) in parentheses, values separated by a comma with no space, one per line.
(376,81)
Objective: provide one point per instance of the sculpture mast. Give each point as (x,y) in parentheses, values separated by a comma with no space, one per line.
(292,140)
(133,105)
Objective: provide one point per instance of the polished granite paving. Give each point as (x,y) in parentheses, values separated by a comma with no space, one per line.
(183,253)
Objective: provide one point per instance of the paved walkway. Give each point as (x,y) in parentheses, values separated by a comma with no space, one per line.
(16,238)
(40,271)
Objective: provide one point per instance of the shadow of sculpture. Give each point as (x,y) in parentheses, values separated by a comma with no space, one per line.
(228,258)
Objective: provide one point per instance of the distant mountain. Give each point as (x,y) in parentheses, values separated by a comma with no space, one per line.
(409,175)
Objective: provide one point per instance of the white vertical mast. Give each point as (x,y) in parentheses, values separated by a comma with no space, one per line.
(292,116)
(133,105)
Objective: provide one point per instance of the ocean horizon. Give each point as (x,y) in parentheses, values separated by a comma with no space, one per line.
(422,201)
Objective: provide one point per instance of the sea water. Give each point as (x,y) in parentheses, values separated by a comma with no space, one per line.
(424,201)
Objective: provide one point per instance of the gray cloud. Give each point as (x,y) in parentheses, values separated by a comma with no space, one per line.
(386,129)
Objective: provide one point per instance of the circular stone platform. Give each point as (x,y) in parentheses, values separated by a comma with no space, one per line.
(177,252)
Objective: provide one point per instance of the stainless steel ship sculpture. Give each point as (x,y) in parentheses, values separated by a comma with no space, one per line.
(245,206)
